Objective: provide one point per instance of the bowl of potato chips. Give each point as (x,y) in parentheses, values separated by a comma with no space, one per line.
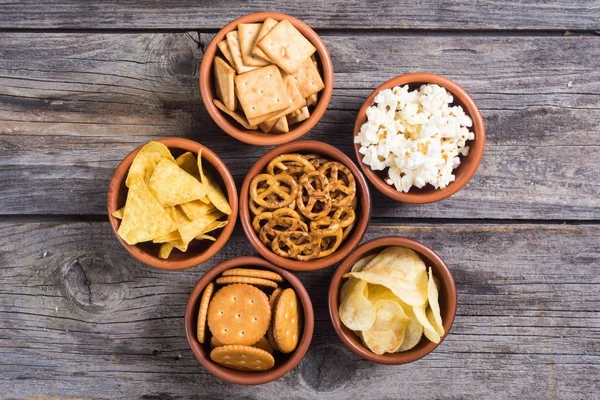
(172,203)
(266,78)
(392,301)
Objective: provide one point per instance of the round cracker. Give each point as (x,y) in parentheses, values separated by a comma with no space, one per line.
(253,273)
(242,358)
(202,312)
(226,280)
(286,324)
(239,314)
(273,298)
(263,343)
(272,301)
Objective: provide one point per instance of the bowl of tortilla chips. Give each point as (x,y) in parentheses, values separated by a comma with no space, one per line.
(172,203)
(266,78)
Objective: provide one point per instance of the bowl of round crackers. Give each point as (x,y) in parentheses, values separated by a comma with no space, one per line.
(304,205)
(266,78)
(172,203)
(392,301)
(249,322)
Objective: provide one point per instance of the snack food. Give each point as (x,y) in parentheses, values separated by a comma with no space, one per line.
(246,326)
(390,301)
(303,206)
(276,76)
(418,135)
(170,201)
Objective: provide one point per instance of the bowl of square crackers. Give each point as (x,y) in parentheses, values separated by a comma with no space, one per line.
(249,322)
(266,78)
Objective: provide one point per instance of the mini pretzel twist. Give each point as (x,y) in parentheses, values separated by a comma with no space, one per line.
(291,164)
(345,216)
(342,185)
(324,226)
(330,241)
(301,246)
(313,196)
(283,186)
(277,225)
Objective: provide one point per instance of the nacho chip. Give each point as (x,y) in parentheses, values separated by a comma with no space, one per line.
(215,195)
(165,250)
(144,218)
(169,237)
(196,209)
(146,160)
(206,237)
(171,185)
(119,213)
(187,162)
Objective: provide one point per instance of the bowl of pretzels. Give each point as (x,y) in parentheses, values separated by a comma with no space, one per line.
(304,205)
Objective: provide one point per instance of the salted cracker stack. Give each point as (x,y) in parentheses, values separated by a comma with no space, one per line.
(267,76)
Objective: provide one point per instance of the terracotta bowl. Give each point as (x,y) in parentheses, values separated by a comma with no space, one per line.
(469,164)
(447,299)
(284,363)
(363,209)
(198,251)
(258,138)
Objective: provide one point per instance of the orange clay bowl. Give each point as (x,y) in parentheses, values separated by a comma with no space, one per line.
(447,299)
(257,138)
(468,165)
(284,363)
(199,250)
(363,209)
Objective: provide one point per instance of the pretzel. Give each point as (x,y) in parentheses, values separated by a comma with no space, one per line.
(260,220)
(302,246)
(275,184)
(345,216)
(330,242)
(347,231)
(342,185)
(278,225)
(324,226)
(316,203)
(291,164)
(316,160)
(256,209)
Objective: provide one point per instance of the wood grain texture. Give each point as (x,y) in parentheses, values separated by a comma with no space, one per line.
(81,318)
(73,105)
(188,14)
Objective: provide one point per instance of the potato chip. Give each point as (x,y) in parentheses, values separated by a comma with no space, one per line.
(119,213)
(146,160)
(412,336)
(439,329)
(387,333)
(428,329)
(360,264)
(165,250)
(187,162)
(143,219)
(196,209)
(347,287)
(401,270)
(356,311)
(171,185)
(433,298)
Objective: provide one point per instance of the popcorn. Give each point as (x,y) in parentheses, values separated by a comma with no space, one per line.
(417,135)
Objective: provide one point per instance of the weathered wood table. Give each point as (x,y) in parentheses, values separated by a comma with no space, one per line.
(82,84)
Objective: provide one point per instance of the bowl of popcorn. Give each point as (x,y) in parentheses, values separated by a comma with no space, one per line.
(266,78)
(419,138)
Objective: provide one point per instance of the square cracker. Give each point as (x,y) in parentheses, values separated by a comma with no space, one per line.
(281,126)
(299,118)
(238,117)
(233,40)
(312,99)
(308,79)
(247,35)
(224,83)
(224,47)
(262,118)
(261,91)
(286,46)
(266,27)
(296,101)
(267,125)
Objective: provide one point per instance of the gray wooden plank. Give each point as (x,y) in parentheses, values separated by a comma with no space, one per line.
(187,14)
(80,318)
(73,105)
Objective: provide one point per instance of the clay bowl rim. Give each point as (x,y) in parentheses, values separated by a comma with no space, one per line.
(363,218)
(193,260)
(258,138)
(440,270)
(475,155)
(240,377)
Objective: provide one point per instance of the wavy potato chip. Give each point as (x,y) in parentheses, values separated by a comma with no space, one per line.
(146,160)
(401,270)
(143,218)
(435,317)
(387,333)
(360,264)
(347,287)
(356,311)
(171,185)
(428,329)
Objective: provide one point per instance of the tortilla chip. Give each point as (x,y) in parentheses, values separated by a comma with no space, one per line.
(171,185)
(146,160)
(119,213)
(187,162)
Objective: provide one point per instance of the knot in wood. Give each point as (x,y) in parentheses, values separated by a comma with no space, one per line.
(327,367)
